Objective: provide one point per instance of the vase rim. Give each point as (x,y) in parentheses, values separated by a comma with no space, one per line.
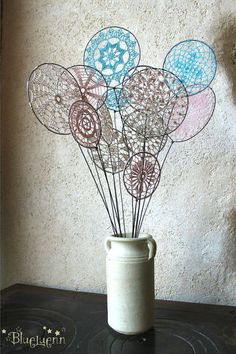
(118,238)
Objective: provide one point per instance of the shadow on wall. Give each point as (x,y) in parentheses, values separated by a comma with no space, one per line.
(230,247)
(12,147)
(225,43)
(214,282)
(227,263)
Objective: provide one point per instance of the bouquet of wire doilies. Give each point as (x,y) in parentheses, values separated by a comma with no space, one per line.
(124,116)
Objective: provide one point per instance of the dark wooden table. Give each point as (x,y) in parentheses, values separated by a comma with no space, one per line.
(75,322)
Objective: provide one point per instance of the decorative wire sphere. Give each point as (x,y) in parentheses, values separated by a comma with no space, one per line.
(151,105)
(194,63)
(92,84)
(147,124)
(137,142)
(52,90)
(113,51)
(85,124)
(142,175)
(200,110)
(144,132)
(155,91)
(113,99)
(111,156)
(106,123)
(175,112)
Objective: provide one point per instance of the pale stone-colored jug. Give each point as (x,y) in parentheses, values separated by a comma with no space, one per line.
(130,283)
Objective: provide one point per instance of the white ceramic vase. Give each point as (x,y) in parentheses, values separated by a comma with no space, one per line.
(130,283)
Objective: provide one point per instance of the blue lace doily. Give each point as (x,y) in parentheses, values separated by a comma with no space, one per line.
(113,51)
(194,63)
(114,99)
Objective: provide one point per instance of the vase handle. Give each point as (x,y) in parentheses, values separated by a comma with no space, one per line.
(107,244)
(152,248)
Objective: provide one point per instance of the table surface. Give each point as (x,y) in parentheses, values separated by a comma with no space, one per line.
(75,322)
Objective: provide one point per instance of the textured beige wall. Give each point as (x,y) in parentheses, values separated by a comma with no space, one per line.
(54,220)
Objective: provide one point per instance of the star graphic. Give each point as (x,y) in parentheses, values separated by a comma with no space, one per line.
(111,56)
(49,331)
(4,331)
(44,327)
(57,333)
